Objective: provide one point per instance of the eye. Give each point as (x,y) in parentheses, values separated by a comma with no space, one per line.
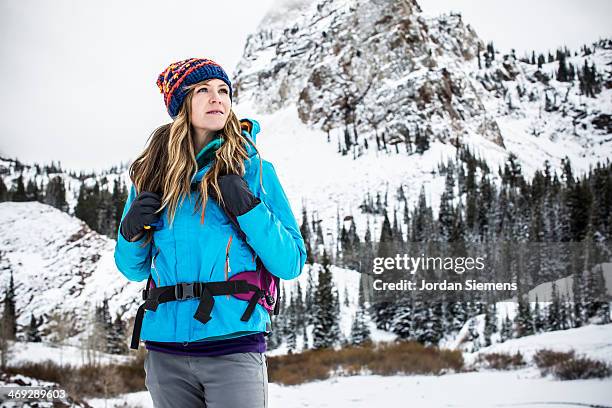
(224,90)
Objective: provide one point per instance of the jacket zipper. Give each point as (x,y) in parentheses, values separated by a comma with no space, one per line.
(154,269)
(227,264)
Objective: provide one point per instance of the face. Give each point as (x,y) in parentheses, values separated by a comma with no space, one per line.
(210,105)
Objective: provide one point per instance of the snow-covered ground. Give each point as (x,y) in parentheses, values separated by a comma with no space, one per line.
(522,388)
(22,352)
(593,341)
(486,388)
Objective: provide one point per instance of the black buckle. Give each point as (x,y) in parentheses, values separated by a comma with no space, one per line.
(183,291)
(145,294)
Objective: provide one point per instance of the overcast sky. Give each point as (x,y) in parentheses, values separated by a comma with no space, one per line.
(78,77)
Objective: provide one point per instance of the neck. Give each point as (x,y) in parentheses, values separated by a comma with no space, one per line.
(202,138)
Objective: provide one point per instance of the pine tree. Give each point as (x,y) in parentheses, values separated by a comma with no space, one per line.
(118,200)
(326,332)
(360,332)
(103,326)
(19,194)
(87,205)
(33,334)
(9,316)
(562,70)
(538,318)
(310,294)
(445,215)
(299,309)
(55,194)
(507,329)
(577,296)
(32,191)
(401,323)
(554,310)
(490,323)
(4,196)
(306,235)
(473,334)
(291,327)
(523,319)
(117,343)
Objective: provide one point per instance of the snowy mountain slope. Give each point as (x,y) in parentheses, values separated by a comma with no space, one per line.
(564,285)
(594,341)
(60,265)
(308,79)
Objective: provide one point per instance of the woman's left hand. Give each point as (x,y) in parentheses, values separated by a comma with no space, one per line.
(237,196)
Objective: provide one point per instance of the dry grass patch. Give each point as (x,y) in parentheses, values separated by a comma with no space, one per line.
(382,359)
(502,361)
(88,381)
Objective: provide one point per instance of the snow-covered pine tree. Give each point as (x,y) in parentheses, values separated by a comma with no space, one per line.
(4,196)
(55,194)
(565,313)
(33,333)
(554,321)
(9,316)
(309,295)
(299,309)
(577,295)
(18,193)
(87,204)
(507,329)
(538,317)
(291,337)
(523,319)
(473,335)
(445,214)
(116,339)
(360,332)
(490,326)
(326,332)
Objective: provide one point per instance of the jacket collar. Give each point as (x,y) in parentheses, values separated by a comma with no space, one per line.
(206,155)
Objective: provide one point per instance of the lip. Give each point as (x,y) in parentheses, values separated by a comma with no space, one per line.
(214,112)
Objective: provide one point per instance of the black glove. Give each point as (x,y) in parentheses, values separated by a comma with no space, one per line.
(141,213)
(237,196)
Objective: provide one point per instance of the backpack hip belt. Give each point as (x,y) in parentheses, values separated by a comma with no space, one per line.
(205,291)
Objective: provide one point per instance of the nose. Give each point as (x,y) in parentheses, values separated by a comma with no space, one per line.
(215,96)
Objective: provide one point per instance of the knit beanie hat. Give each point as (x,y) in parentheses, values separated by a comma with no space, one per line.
(172,80)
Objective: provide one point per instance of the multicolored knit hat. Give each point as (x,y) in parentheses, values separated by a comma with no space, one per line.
(172,81)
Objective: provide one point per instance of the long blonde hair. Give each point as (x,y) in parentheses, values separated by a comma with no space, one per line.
(168,162)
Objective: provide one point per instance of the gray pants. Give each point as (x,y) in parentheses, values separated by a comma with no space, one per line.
(237,380)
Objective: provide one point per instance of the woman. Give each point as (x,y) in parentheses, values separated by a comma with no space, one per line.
(204,207)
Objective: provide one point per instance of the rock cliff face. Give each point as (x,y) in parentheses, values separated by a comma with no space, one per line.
(379,68)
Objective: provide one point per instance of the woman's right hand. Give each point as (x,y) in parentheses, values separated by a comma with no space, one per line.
(141,213)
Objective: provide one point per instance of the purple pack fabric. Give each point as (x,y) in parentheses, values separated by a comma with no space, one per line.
(263,280)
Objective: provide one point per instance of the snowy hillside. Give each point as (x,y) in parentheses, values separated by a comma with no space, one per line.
(308,80)
(543,292)
(60,265)
(594,341)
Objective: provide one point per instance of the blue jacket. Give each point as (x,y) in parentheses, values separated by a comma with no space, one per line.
(195,252)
